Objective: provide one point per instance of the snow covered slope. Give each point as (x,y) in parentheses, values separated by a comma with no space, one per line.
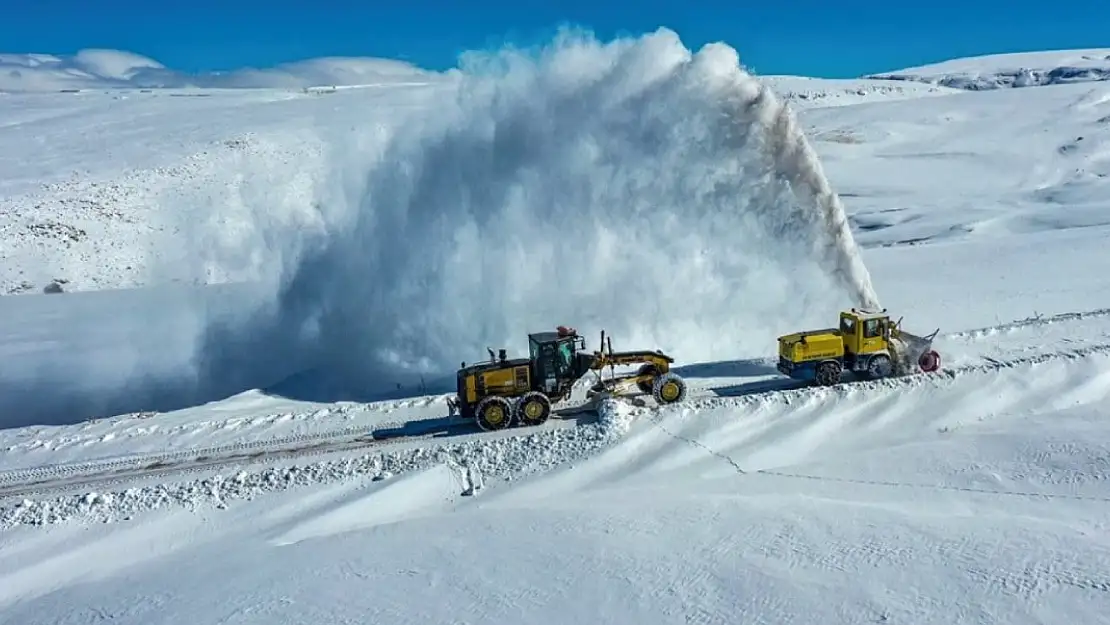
(157,464)
(1020,69)
(804,92)
(982,495)
(116,193)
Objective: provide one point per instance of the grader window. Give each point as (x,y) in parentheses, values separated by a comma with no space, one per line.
(564,356)
(546,364)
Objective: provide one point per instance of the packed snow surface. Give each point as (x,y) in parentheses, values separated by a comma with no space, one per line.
(181,440)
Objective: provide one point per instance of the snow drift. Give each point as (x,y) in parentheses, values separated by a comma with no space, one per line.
(634,186)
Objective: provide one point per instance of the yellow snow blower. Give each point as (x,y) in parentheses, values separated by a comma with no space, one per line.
(866,343)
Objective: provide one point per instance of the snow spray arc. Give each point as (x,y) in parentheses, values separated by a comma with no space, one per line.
(632,185)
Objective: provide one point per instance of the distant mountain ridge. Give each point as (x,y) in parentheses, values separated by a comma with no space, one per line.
(1006,71)
(116,69)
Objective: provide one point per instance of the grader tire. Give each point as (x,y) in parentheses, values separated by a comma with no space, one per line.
(533,409)
(668,388)
(828,373)
(647,386)
(494,413)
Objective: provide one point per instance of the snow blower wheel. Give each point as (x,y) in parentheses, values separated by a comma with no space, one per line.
(828,373)
(880,366)
(929,361)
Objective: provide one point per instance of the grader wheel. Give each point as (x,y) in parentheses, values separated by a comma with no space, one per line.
(669,388)
(533,409)
(494,413)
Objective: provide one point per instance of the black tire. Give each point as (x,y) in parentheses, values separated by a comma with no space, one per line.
(880,366)
(828,373)
(494,413)
(646,387)
(533,409)
(668,388)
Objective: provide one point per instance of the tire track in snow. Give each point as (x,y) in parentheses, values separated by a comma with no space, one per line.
(138,425)
(57,471)
(501,457)
(55,478)
(1034,321)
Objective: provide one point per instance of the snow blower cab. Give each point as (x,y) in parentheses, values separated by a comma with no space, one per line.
(865,343)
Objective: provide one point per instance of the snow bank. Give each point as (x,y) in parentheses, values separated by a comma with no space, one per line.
(580,186)
(115,69)
(481,459)
(417,494)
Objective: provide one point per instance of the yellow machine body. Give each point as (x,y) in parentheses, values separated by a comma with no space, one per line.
(502,391)
(863,341)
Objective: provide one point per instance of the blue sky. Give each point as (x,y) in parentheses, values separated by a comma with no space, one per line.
(809,37)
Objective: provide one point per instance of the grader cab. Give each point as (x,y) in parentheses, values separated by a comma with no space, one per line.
(503,392)
(865,343)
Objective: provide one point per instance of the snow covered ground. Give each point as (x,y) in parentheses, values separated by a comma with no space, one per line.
(1017,69)
(138,483)
(113,69)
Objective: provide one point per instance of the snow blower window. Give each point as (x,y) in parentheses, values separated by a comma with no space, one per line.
(847,326)
(872,328)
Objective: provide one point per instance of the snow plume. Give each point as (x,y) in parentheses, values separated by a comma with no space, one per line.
(795,159)
(633,186)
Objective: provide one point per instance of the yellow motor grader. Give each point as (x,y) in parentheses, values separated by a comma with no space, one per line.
(503,392)
(865,342)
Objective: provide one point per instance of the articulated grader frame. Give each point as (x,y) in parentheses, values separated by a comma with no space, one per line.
(654,376)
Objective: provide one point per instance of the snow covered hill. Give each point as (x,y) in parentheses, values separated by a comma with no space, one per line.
(116,69)
(212,245)
(1021,69)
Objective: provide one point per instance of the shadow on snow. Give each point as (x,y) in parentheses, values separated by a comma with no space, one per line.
(68,358)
